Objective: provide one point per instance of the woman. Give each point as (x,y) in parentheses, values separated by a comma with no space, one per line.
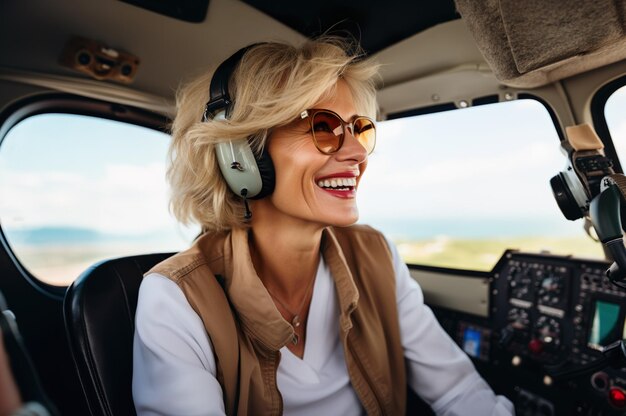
(290,309)
(11,399)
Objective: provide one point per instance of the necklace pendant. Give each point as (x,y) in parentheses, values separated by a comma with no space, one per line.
(295,339)
(295,321)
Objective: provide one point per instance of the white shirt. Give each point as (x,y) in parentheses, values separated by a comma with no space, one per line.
(174,367)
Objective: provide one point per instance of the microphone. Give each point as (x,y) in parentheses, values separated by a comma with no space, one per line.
(248,214)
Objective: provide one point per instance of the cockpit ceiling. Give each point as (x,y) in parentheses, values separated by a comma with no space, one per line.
(377,24)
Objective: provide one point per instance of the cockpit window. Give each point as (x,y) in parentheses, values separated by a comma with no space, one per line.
(78,189)
(457,188)
(615,115)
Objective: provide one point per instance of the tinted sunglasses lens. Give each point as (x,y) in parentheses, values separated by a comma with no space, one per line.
(365,133)
(327,132)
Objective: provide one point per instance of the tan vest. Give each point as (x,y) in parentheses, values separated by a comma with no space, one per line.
(217,277)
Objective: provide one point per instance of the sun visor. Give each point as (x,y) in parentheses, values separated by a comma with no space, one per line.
(534,42)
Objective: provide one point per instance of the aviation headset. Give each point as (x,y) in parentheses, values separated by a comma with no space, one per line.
(587,165)
(249,174)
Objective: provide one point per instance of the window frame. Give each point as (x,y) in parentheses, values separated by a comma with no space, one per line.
(597,109)
(61,103)
(450,106)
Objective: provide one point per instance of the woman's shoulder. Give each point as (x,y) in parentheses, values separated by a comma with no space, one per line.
(361,231)
(176,266)
(158,291)
(366,234)
(206,250)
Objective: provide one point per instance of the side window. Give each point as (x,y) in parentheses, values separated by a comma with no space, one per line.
(457,188)
(77,189)
(615,115)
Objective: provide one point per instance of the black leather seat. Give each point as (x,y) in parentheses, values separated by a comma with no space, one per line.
(99,311)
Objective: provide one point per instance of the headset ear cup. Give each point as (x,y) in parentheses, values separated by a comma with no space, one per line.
(266,170)
(566,201)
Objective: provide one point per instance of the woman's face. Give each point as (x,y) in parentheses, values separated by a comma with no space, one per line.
(310,185)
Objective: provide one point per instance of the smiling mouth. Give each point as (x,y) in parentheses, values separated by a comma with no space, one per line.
(337,184)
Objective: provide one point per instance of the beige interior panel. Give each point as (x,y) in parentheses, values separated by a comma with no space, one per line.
(443,87)
(170,50)
(415,57)
(456,292)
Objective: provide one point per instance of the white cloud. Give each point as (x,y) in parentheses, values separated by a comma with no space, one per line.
(454,184)
(128,199)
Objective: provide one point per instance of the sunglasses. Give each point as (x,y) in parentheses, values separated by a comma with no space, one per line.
(329,130)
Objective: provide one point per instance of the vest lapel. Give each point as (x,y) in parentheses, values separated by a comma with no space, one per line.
(256,310)
(347,292)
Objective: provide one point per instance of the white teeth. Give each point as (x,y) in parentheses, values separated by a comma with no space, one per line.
(337,183)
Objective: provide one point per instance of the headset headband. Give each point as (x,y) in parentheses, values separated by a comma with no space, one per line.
(219,97)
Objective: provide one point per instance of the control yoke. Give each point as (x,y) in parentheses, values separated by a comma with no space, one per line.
(606,215)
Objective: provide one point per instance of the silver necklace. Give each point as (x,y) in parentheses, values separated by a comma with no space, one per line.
(295,320)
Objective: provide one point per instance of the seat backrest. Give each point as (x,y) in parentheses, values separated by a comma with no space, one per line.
(99,310)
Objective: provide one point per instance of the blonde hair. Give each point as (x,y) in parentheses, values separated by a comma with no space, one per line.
(272,84)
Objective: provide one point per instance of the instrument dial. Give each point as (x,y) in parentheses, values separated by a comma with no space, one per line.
(518,318)
(520,283)
(548,331)
(551,289)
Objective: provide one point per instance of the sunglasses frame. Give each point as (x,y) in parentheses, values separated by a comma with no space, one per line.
(311,113)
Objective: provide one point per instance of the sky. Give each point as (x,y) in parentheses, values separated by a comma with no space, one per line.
(471,164)
(79,171)
(487,159)
(615,113)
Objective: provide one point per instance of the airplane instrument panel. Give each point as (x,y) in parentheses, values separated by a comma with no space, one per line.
(545,343)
